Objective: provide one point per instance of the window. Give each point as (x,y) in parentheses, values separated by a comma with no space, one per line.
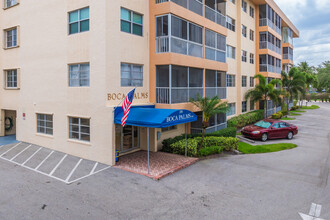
(230,81)
(251,12)
(215,46)
(79,21)
(45,124)
(131,22)
(231,52)
(232,1)
(244,108)
(10,3)
(252,35)
(244,6)
(243,81)
(174,127)
(79,129)
(232,109)
(244,55)
(284,125)
(251,58)
(11,78)
(230,23)
(11,38)
(79,75)
(251,105)
(131,75)
(244,30)
(276,125)
(251,81)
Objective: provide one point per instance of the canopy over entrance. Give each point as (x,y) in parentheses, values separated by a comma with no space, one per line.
(151,117)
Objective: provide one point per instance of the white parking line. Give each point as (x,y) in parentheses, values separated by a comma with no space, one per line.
(31,156)
(44,160)
(10,149)
(92,171)
(88,175)
(20,152)
(72,171)
(59,163)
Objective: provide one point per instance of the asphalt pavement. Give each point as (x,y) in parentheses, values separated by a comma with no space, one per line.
(277,185)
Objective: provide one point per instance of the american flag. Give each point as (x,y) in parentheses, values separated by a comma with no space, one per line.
(127,106)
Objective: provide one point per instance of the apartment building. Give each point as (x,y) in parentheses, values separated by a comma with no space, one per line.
(67,66)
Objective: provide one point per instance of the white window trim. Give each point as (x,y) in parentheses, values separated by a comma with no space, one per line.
(79,139)
(132,22)
(79,20)
(89,75)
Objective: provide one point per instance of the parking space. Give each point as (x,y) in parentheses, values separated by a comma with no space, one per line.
(63,167)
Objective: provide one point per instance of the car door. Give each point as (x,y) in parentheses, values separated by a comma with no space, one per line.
(275,131)
(285,128)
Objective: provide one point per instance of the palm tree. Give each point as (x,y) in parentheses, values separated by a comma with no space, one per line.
(264,91)
(209,107)
(294,83)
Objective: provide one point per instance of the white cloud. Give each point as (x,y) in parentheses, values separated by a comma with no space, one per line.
(322,5)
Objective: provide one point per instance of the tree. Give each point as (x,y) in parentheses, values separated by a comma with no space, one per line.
(323,75)
(209,107)
(264,91)
(310,78)
(293,84)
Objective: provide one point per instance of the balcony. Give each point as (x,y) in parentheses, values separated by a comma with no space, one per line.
(192,5)
(166,44)
(267,45)
(287,56)
(266,22)
(221,92)
(278,69)
(278,50)
(213,54)
(215,16)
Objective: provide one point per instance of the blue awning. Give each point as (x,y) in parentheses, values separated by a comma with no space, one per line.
(149,116)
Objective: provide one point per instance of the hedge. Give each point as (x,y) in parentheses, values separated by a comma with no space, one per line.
(227,143)
(278,115)
(246,119)
(226,132)
(206,151)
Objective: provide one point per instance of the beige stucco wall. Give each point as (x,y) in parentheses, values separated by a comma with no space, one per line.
(43,56)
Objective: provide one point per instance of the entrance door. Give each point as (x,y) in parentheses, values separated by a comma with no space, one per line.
(10,122)
(127,138)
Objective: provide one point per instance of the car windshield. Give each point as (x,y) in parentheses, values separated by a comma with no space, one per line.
(263,124)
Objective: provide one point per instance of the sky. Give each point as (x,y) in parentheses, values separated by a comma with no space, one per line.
(312,18)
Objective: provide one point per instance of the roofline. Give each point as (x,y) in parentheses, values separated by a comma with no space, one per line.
(285,20)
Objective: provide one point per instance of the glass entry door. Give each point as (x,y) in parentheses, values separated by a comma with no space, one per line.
(127,138)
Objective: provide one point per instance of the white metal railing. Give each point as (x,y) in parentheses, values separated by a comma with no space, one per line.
(193,5)
(215,16)
(178,45)
(162,44)
(163,95)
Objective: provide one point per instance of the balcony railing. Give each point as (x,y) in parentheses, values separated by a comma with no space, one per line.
(215,16)
(278,30)
(266,68)
(162,44)
(214,54)
(192,5)
(221,92)
(165,95)
(172,44)
(209,129)
(266,22)
(278,69)
(278,50)
(266,45)
(287,56)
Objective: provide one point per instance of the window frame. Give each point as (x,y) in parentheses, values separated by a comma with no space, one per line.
(231,25)
(251,35)
(71,85)
(244,57)
(244,6)
(244,103)
(131,67)
(232,109)
(251,81)
(79,129)
(79,20)
(45,120)
(13,37)
(251,12)
(131,22)
(233,49)
(230,80)
(251,58)
(244,31)
(244,81)
(13,82)
(12,5)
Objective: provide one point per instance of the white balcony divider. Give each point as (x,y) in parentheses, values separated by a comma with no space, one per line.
(215,16)
(162,44)
(163,95)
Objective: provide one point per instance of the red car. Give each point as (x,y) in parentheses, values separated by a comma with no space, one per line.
(270,129)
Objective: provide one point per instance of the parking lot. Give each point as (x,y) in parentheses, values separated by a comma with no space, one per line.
(54,164)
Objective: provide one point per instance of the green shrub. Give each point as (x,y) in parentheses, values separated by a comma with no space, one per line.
(226,132)
(206,151)
(278,115)
(245,119)
(295,102)
(228,143)
(294,108)
(284,112)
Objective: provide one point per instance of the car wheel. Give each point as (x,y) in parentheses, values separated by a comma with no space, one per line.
(264,137)
(290,135)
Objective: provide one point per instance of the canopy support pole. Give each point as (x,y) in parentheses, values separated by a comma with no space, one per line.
(148,149)
(185,151)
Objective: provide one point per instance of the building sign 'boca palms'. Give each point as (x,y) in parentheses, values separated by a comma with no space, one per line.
(121,96)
